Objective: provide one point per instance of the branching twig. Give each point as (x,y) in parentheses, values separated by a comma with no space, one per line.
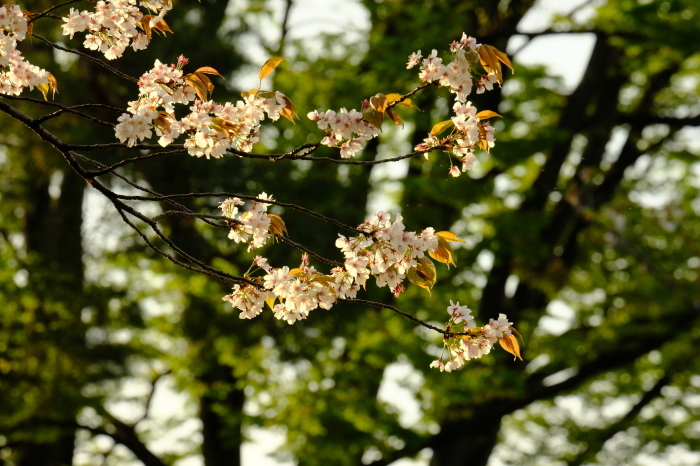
(111,168)
(87,57)
(284,239)
(46,12)
(64,109)
(406,96)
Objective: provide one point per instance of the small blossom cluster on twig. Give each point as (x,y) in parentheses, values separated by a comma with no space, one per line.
(15,72)
(253,226)
(211,128)
(112,27)
(477,342)
(470,131)
(346,130)
(384,250)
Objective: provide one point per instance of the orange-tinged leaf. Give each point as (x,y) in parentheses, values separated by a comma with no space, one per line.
(205,80)
(441,127)
(252,92)
(449,236)
(379,102)
(324,280)
(271,302)
(394,116)
(162,122)
(503,58)
(199,88)
(296,271)
(491,59)
(423,274)
(486,114)
(289,114)
(391,98)
(512,329)
(483,143)
(163,27)
(277,225)
(30,26)
(510,344)
(443,253)
(270,66)
(145,24)
(373,117)
(51,85)
(208,70)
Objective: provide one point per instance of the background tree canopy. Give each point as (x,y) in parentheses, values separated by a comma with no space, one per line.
(582,226)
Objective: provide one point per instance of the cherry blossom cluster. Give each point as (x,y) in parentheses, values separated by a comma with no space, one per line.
(253,226)
(469,130)
(299,291)
(478,342)
(385,251)
(346,130)
(112,27)
(15,72)
(211,129)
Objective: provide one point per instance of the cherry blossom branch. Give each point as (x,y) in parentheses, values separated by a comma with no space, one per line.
(381,249)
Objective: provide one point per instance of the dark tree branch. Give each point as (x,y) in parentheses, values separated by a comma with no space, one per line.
(603,435)
(644,120)
(126,435)
(64,109)
(285,26)
(609,360)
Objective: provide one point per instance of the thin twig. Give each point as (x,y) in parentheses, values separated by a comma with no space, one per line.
(135,159)
(284,239)
(165,197)
(46,12)
(180,213)
(63,108)
(401,313)
(406,96)
(87,57)
(137,186)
